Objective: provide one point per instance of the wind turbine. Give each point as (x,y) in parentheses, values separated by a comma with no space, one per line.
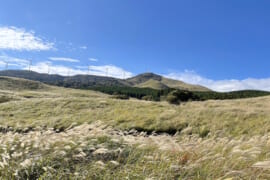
(30,64)
(107,71)
(48,64)
(6,65)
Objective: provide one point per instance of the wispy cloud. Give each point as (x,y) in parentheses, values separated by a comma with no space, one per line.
(45,67)
(110,70)
(83,47)
(107,70)
(65,59)
(93,59)
(222,85)
(12,38)
(13,61)
(2,63)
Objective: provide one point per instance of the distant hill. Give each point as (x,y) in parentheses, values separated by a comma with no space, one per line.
(146,86)
(155,81)
(78,81)
(146,80)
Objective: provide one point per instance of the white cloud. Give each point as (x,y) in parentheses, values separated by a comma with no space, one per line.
(12,38)
(83,47)
(45,67)
(221,85)
(82,67)
(64,59)
(108,70)
(48,66)
(13,61)
(93,59)
(2,63)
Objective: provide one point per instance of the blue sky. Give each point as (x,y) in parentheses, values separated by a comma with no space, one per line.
(222,44)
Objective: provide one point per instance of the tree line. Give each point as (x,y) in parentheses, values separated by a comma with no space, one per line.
(175,96)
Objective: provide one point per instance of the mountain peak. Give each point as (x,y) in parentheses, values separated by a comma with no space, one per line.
(141,78)
(156,81)
(145,80)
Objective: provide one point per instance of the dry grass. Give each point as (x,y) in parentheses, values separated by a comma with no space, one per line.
(62,107)
(58,133)
(152,84)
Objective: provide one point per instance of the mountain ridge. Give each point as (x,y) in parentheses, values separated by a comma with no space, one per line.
(144,80)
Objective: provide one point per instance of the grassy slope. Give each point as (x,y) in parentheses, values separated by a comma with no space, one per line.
(8,83)
(184,86)
(158,81)
(238,137)
(154,84)
(61,107)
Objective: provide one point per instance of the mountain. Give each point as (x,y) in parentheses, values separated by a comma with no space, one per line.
(146,80)
(141,78)
(78,81)
(155,81)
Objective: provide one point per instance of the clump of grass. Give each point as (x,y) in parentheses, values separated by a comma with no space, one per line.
(204,132)
(4,99)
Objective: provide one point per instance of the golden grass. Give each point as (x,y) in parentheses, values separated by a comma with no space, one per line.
(61,107)
(181,85)
(237,145)
(8,83)
(152,84)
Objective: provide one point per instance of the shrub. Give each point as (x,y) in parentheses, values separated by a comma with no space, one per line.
(172,99)
(4,99)
(177,96)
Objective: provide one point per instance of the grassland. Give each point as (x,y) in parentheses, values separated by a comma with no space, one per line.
(58,133)
(152,84)
(154,81)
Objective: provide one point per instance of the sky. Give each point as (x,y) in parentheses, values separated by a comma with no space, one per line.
(221,44)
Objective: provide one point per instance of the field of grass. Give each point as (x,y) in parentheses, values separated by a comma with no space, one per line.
(58,133)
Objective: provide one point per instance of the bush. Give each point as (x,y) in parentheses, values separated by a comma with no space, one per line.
(172,99)
(4,99)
